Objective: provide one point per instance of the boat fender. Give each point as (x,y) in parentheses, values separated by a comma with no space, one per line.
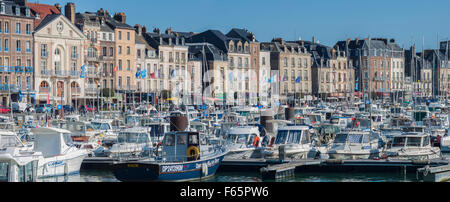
(205,170)
(256,141)
(272,141)
(194,149)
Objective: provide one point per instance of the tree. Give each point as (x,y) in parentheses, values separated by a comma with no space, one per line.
(108,92)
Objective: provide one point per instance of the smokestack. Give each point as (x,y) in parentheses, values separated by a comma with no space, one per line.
(69,10)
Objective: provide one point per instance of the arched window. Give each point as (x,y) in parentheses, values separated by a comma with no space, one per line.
(44,84)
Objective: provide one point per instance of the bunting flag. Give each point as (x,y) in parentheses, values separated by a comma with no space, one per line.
(144,73)
(83,72)
(138,74)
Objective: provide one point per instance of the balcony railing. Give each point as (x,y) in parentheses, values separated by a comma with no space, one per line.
(74,56)
(61,73)
(6,87)
(44,54)
(46,72)
(75,73)
(19,69)
(29,69)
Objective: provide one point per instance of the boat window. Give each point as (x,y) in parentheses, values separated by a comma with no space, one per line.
(340,138)
(294,136)
(104,126)
(281,137)
(4,172)
(169,140)
(426,141)
(21,174)
(355,138)
(8,141)
(251,139)
(399,142)
(306,137)
(143,138)
(95,125)
(193,139)
(68,139)
(365,139)
(132,138)
(181,139)
(29,172)
(414,141)
(335,121)
(89,127)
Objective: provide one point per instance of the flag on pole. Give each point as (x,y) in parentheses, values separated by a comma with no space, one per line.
(152,75)
(116,68)
(83,72)
(138,73)
(144,73)
(299,79)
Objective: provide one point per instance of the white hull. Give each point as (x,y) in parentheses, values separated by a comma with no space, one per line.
(244,153)
(57,166)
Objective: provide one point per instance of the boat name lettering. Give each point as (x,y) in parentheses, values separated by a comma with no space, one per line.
(175,168)
(56,163)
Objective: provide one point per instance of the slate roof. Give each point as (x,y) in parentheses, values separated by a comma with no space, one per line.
(241,34)
(212,53)
(48,19)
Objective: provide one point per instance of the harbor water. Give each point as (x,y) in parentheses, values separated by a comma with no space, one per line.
(88,175)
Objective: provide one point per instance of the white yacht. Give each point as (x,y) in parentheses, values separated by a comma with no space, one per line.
(18,163)
(296,141)
(61,157)
(131,142)
(411,146)
(241,142)
(355,145)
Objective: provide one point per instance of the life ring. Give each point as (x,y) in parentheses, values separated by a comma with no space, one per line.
(256,141)
(196,151)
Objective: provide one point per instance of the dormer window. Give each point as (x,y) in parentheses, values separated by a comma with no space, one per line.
(17,10)
(2,8)
(27,12)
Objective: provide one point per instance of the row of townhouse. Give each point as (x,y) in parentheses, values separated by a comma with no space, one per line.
(76,58)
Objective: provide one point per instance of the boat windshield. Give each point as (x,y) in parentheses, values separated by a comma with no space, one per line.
(4,126)
(340,138)
(238,138)
(101,126)
(285,136)
(335,121)
(68,139)
(399,142)
(132,138)
(414,141)
(8,141)
(4,171)
(156,130)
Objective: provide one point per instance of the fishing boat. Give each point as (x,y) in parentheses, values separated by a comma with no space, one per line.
(183,158)
(242,143)
(355,145)
(295,142)
(411,146)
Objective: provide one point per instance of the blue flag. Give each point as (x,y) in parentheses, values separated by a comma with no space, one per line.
(83,72)
(299,79)
(144,74)
(172,73)
(138,73)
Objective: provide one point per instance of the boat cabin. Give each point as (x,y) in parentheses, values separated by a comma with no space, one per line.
(416,129)
(181,146)
(293,135)
(243,135)
(412,139)
(52,141)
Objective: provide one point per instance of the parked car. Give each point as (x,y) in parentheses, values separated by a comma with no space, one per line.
(44,108)
(19,107)
(4,110)
(91,108)
(68,108)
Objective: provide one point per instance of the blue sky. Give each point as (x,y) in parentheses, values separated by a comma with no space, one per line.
(328,20)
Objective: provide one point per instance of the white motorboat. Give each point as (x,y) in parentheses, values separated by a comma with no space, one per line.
(61,157)
(131,142)
(411,146)
(355,145)
(18,162)
(445,144)
(295,142)
(242,143)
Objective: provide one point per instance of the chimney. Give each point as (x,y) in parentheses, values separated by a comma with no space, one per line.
(138,29)
(182,41)
(157,31)
(170,41)
(314,40)
(357,40)
(121,17)
(169,31)
(58,7)
(144,29)
(69,10)
(160,40)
